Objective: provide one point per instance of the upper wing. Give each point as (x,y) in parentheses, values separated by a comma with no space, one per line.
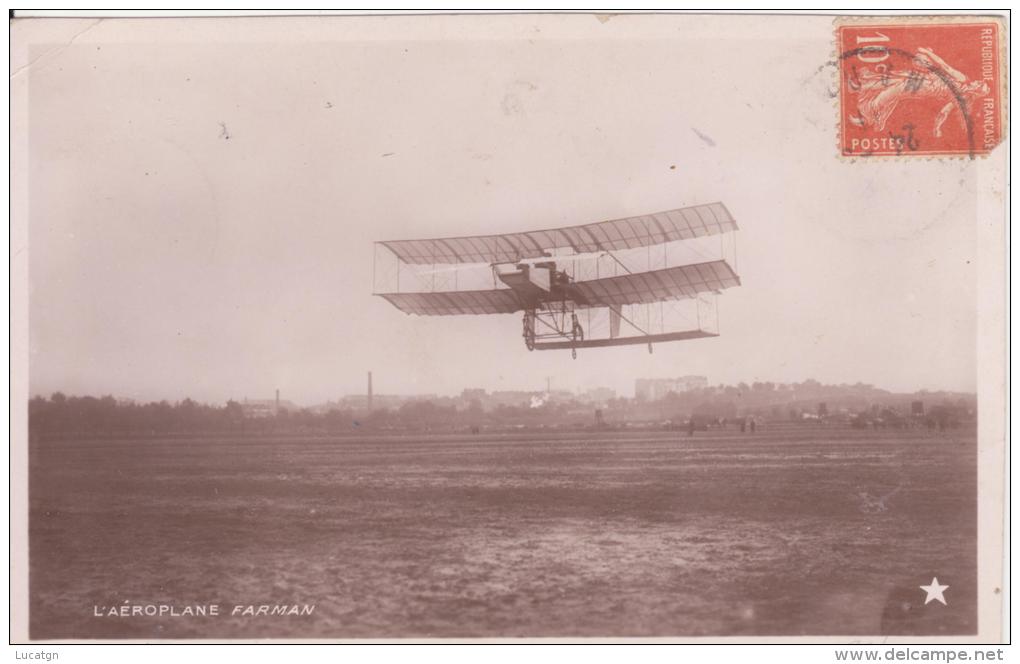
(497,301)
(627,233)
(674,283)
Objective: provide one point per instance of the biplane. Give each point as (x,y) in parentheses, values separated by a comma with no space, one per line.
(610,283)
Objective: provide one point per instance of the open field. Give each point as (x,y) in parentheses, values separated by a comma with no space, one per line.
(559,534)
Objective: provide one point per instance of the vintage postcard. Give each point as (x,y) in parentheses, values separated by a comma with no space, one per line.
(508,327)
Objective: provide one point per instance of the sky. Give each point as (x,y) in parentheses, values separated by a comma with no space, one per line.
(203,198)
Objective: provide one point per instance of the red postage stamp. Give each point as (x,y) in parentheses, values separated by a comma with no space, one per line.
(928,88)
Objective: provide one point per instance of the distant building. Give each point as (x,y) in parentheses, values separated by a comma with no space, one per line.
(323,408)
(598,395)
(557,396)
(653,389)
(511,398)
(381,401)
(259,408)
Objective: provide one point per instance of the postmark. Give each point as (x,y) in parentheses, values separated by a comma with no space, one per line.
(925,88)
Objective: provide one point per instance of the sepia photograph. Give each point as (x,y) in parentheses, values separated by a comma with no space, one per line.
(509,327)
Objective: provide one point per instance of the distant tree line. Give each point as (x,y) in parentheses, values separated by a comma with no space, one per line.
(853,405)
(859,402)
(61,414)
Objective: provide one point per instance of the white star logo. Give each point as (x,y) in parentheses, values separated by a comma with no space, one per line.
(934,591)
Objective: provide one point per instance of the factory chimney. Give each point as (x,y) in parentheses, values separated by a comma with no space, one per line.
(277,400)
(370,391)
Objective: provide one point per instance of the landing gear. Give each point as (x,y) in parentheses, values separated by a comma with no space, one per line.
(552,326)
(529,330)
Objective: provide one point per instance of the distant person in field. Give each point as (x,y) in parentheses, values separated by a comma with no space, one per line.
(690,427)
(743,425)
(880,92)
(754,425)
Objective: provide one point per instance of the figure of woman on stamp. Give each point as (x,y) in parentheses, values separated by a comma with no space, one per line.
(880,90)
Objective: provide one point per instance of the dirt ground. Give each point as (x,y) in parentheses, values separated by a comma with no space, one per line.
(784,532)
